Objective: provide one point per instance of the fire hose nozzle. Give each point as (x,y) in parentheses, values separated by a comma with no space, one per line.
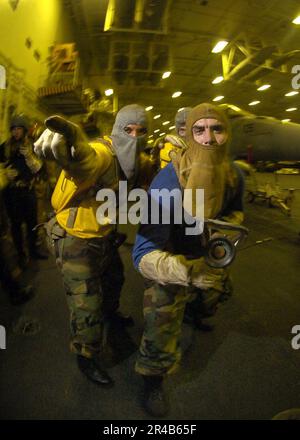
(221,248)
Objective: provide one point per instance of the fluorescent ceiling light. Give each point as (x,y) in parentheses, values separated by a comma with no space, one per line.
(218,80)
(254,103)
(162,134)
(219,46)
(296,20)
(166,123)
(109,92)
(166,75)
(156,131)
(157,116)
(149,108)
(291,93)
(180,109)
(176,94)
(151,141)
(172,127)
(285,120)
(292,109)
(151,136)
(218,98)
(264,87)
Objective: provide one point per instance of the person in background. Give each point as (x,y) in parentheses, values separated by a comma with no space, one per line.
(11,275)
(22,165)
(172,143)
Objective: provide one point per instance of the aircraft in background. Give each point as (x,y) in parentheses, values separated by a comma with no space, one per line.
(262,138)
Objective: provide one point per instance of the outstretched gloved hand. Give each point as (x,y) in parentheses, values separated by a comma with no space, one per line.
(62,141)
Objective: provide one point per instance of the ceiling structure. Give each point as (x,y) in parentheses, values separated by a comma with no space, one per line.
(128,44)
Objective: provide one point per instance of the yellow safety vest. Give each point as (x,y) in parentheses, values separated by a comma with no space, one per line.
(74,199)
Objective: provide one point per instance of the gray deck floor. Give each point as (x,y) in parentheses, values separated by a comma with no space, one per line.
(244,369)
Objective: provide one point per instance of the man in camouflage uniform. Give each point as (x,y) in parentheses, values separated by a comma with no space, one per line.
(170,259)
(86,251)
(19,195)
(10,272)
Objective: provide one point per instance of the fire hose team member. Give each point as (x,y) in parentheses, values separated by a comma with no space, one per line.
(86,251)
(172,143)
(171,261)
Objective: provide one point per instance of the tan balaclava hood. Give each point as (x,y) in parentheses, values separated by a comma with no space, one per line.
(204,166)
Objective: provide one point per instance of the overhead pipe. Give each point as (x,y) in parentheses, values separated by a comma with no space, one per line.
(110,15)
(246,66)
(278,61)
(138,13)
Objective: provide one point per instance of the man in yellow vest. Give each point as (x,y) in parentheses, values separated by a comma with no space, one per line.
(86,251)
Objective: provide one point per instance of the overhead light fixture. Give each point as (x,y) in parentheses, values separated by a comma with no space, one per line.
(219,46)
(166,123)
(180,109)
(292,109)
(149,108)
(156,116)
(156,131)
(151,136)
(285,120)
(218,79)
(162,134)
(254,103)
(151,141)
(176,94)
(218,98)
(172,127)
(166,75)
(264,87)
(296,20)
(291,93)
(109,92)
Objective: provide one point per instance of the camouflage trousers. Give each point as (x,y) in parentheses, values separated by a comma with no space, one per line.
(93,277)
(10,271)
(163,307)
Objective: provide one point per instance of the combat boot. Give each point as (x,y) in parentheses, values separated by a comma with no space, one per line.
(92,370)
(155,400)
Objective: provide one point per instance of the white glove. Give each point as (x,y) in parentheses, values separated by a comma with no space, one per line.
(166,268)
(62,141)
(33,163)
